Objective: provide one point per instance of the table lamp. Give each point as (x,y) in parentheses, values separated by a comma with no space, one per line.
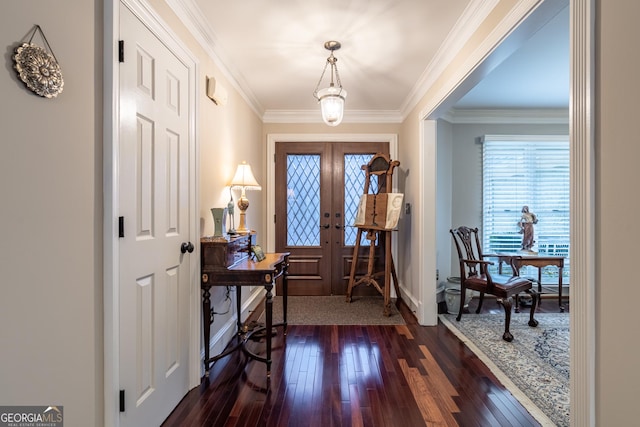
(245,180)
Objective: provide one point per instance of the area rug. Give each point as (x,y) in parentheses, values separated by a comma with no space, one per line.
(334,310)
(534,367)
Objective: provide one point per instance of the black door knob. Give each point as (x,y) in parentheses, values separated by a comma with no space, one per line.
(186,247)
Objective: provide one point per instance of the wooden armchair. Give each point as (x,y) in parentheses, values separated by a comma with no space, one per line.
(475,275)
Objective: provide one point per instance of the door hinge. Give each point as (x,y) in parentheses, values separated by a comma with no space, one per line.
(121,400)
(121,226)
(120,50)
(274,157)
(274,218)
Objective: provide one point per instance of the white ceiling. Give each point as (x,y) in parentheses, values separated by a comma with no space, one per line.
(535,76)
(273,52)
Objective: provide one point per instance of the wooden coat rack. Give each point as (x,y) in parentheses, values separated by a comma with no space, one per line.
(372,220)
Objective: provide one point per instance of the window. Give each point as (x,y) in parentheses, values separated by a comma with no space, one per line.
(528,171)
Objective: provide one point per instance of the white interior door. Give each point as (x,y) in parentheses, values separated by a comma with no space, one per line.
(154,204)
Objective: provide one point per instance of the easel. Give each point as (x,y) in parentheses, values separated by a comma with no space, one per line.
(381,167)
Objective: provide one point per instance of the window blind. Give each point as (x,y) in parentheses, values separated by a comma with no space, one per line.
(526,170)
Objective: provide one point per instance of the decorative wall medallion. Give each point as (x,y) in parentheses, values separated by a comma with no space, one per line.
(37,68)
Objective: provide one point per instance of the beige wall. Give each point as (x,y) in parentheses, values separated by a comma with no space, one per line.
(617,178)
(408,248)
(51,208)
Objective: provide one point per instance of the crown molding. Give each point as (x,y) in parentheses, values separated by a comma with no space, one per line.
(508,116)
(490,45)
(192,18)
(314,116)
(473,16)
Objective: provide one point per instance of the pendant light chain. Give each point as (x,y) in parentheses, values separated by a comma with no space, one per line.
(334,66)
(315,92)
(331,61)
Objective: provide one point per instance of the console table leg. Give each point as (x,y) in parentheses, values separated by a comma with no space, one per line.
(206,326)
(285,294)
(269,325)
(239,309)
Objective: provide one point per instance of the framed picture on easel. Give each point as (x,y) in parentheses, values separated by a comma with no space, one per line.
(380,211)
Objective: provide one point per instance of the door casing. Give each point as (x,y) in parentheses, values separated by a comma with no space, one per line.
(391,139)
(323,269)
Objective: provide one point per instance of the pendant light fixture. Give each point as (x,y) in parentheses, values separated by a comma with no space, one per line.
(331,98)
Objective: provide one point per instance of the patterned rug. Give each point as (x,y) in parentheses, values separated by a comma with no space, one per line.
(534,366)
(334,310)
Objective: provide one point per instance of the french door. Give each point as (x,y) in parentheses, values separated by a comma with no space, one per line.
(318,187)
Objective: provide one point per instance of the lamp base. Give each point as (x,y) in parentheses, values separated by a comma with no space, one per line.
(242,228)
(243,205)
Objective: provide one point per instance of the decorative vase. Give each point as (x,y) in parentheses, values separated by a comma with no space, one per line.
(219,221)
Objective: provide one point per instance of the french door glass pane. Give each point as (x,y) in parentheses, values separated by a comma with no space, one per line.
(303,200)
(354,180)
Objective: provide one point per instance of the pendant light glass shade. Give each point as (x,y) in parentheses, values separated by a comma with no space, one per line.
(332,104)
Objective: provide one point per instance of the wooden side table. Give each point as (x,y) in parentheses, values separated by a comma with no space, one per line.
(539,262)
(244,272)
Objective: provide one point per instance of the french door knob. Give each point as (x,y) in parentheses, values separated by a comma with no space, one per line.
(186,247)
(325,226)
(338,226)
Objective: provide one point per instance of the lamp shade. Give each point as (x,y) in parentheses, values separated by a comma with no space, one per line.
(244,178)
(332,104)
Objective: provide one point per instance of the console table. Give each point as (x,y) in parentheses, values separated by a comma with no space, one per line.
(537,261)
(227,262)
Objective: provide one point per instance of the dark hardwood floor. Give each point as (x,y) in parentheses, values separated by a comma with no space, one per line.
(403,376)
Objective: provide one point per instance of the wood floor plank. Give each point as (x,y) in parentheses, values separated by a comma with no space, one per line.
(431,413)
(435,372)
(355,375)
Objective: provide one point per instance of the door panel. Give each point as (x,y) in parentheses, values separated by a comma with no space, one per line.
(303,205)
(153,179)
(349,179)
(318,186)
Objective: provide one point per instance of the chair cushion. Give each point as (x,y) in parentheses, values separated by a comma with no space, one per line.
(504,286)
